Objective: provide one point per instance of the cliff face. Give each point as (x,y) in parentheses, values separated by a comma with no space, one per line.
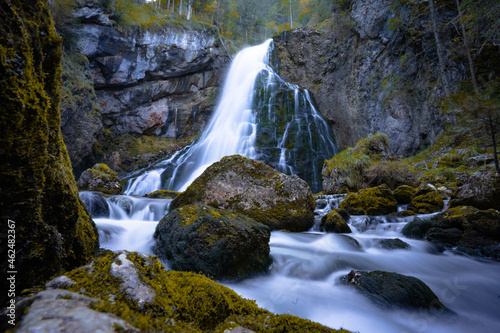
(159,82)
(38,192)
(367,77)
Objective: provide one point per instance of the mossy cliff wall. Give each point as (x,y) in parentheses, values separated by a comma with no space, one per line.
(37,189)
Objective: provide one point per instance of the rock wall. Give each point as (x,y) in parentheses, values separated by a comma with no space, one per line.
(160,82)
(367,76)
(39,205)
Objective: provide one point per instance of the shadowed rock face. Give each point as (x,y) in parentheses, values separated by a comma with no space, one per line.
(366,77)
(38,191)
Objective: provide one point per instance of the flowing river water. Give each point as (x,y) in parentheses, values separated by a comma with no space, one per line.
(303,277)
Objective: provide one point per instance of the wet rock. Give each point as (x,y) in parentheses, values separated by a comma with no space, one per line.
(417,228)
(392,244)
(392,290)
(218,243)
(101,179)
(64,311)
(124,202)
(59,282)
(364,223)
(253,189)
(447,236)
(334,222)
(405,213)
(372,201)
(403,194)
(95,203)
(480,190)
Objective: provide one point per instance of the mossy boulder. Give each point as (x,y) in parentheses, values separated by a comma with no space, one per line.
(254,189)
(38,191)
(426,200)
(216,242)
(371,201)
(417,228)
(392,290)
(405,213)
(162,194)
(100,178)
(344,172)
(334,222)
(480,190)
(403,194)
(391,244)
(137,289)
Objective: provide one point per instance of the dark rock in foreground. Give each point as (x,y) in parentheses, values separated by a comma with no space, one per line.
(392,290)
(216,242)
(95,203)
(255,189)
(392,244)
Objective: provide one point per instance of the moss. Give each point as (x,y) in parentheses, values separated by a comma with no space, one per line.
(100,178)
(184,302)
(345,171)
(427,203)
(53,231)
(403,194)
(372,201)
(254,189)
(216,242)
(391,173)
(334,222)
(162,194)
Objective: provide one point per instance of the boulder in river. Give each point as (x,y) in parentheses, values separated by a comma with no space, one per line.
(216,242)
(393,290)
(480,190)
(100,178)
(371,201)
(403,194)
(426,200)
(334,222)
(255,189)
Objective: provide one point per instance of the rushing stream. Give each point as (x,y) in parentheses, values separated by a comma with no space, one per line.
(302,278)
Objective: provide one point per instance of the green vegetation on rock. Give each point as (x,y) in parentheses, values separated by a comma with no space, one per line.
(371,201)
(100,178)
(216,242)
(254,189)
(162,194)
(173,301)
(53,231)
(426,200)
(334,222)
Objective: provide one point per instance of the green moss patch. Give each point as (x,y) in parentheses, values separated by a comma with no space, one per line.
(371,201)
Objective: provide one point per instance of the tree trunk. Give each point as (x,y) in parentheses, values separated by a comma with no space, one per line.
(467,49)
(180,9)
(189,10)
(493,132)
(168,5)
(291,21)
(440,50)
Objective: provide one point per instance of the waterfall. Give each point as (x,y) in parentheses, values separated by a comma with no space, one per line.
(256,118)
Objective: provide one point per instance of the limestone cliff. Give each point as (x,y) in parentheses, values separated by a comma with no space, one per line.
(367,76)
(160,81)
(38,192)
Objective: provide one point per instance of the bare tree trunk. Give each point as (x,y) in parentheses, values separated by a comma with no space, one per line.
(173,5)
(291,21)
(440,50)
(467,49)
(493,133)
(168,5)
(180,9)
(189,10)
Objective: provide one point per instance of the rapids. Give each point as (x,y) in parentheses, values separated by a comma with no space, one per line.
(302,278)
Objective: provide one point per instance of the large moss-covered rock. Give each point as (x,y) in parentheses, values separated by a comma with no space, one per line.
(334,222)
(481,191)
(137,289)
(426,203)
(392,290)
(38,191)
(344,172)
(212,241)
(254,189)
(100,178)
(371,201)
(403,194)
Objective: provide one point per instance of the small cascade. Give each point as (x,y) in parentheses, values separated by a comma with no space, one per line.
(259,116)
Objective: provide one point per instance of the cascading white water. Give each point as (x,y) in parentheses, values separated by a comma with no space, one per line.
(303,277)
(231,130)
